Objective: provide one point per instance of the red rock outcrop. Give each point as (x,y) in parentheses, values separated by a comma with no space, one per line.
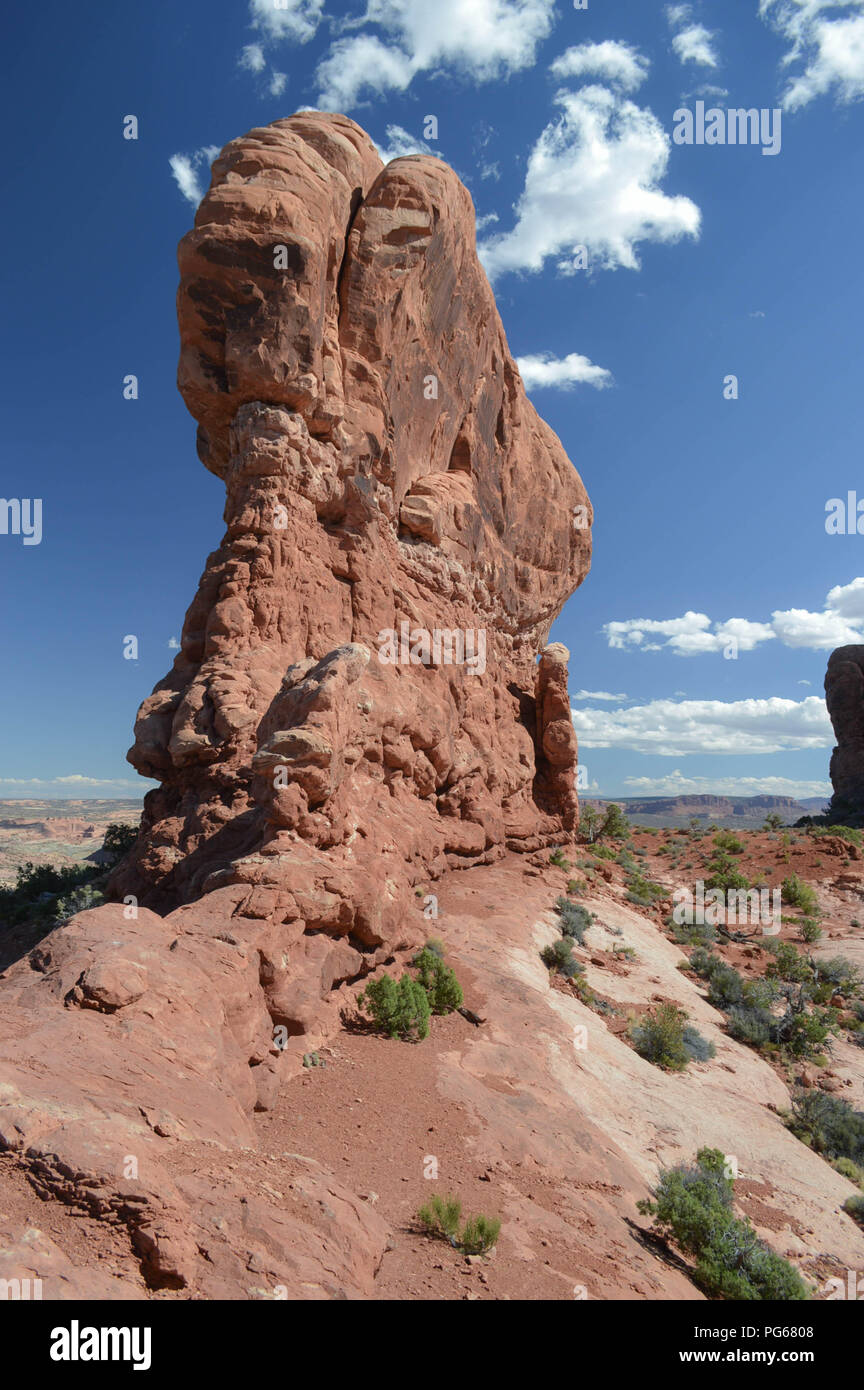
(357,705)
(357,702)
(844,696)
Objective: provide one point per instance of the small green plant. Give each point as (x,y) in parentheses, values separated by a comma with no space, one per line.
(810,930)
(399,1009)
(788,963)
(441,1217)
(693,933)
(728,843)
(575,888)
(79,900)
(854,1207)
(439,981)
(794,892)
(559,959)
(659,1037)
(615,824)
(693,1207)
(828,1124)
(559,859)
(772,821)
(573,919)
(724,875)
(311,1059)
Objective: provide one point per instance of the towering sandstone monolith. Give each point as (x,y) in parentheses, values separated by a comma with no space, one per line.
(844,696)
(357,703)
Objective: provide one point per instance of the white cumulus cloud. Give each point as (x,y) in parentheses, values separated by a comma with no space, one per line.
(677,784)
(615,62)
(291,19)
(840,622)
(825,50)
(674,729)
(695,44)
(561,373)
(593,181)
(484,39)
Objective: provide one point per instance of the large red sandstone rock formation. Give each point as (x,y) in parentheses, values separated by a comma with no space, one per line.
(385,473)
(844,696)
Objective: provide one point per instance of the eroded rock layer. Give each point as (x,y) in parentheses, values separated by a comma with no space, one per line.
(357,702)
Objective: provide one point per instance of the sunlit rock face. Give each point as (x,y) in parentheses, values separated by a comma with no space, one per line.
(357,704)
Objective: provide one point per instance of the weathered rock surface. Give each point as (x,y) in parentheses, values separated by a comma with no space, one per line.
(357,706)
(357,701)
(844,696)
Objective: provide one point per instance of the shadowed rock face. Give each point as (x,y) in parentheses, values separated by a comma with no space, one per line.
(844,696)
(385,474)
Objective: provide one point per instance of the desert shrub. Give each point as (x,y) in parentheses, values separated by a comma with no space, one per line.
(438,980)
(854,1207)
(788,963)
(573,919)
(810,930)
(659,1037)
(698,1049)
(725,986)
(693,1206)
(728,843)
(37,889)
(441,1217)
(847,1169)
(559,859)
(828,1124)
(615,824)
(839,973)
(400,1009)
(702,961)
(79,900)
(603,852)
(560,960)
(574,887)
(801,1033)
(724,875)
(794,892)
(842,832)
(749,1024)
(118,840)
(693,933)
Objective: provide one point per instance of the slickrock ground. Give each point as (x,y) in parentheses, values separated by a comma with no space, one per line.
(317,1196)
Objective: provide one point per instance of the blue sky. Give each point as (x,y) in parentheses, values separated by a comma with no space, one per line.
(703,262)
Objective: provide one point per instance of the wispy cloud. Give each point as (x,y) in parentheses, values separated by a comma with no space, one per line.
(188,168)
(677,784)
